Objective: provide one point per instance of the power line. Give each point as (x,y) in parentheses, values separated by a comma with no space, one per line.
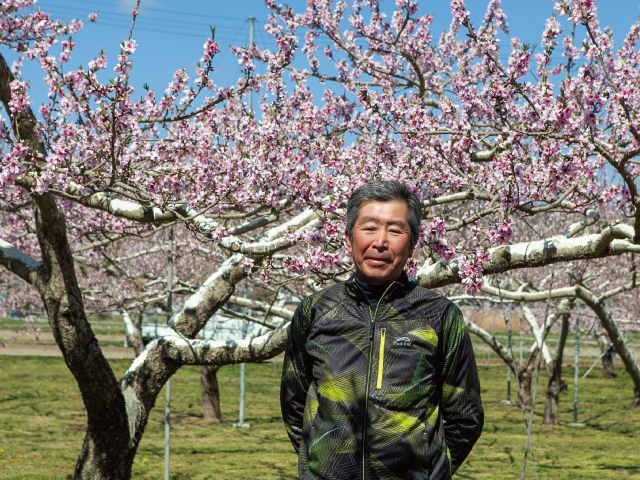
(160,22)
(154,30)
(101,6)
(157,25)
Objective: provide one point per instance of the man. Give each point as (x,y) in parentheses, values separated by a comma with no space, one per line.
(379,379)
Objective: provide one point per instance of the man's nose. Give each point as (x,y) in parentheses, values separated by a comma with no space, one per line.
(381,240)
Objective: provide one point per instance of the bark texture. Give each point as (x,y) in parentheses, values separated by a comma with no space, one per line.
(556,384)
(210,392)
(525,377)
(614,240)
(107,451)
(608,370)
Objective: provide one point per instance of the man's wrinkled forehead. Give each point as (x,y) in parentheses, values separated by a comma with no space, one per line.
(369,214)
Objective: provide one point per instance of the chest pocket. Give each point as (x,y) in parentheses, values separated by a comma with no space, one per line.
(404,366)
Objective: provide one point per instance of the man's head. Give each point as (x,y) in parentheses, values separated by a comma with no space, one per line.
(383,227)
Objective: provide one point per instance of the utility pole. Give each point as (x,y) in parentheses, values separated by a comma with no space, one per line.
(251,23)
(167,390)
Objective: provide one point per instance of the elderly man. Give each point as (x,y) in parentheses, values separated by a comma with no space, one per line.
(380,380)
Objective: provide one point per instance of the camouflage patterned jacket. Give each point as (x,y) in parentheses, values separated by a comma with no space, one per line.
(390,393)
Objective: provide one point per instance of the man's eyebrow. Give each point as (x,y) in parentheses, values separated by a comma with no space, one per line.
(400,223)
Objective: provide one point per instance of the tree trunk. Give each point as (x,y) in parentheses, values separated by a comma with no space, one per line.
(108,449)
(608,371)
(636,399)
(556,384)
(105,454)
(525,377)
(210,392)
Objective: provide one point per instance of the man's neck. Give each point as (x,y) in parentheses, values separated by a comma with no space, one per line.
(373,291)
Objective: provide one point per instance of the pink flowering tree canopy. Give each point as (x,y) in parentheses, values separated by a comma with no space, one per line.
(92,179)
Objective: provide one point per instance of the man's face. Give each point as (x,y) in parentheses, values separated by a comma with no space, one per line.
(381,241)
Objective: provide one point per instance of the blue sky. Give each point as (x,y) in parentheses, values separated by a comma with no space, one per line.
(170,34)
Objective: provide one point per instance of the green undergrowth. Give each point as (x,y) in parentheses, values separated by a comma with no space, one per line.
(42,423)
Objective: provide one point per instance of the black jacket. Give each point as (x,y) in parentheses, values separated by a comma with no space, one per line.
(386,394)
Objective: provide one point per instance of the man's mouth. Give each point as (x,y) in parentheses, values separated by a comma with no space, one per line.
(378,259)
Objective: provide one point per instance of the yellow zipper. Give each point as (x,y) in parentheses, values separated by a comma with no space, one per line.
(383,332)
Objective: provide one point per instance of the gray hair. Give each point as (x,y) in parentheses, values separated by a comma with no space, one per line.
(385,191)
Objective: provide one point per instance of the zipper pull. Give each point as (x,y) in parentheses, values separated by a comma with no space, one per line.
(372,330)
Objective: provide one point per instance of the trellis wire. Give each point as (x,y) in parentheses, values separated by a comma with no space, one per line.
(513,364)
(543,338)
(493,325)
(576,370)
(508,369)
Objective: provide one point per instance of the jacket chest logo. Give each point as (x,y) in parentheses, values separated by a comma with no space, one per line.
(402,342)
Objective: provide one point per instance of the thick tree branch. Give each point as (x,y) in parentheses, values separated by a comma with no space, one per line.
(19,262)
(23,123)
(589,219)
(490,340)
(604,314)
(261,307)
(249,318)
(613,240)
(211,295)
(182,351)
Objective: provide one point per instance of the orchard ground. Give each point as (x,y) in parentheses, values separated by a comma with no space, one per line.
(42,422)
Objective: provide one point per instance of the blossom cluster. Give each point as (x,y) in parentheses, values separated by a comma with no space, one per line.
(480,141)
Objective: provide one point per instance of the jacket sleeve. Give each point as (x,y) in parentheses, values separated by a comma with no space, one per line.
(296,375)
(461,407)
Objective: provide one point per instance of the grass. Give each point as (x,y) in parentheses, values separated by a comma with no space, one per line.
(100,326)
(42,424)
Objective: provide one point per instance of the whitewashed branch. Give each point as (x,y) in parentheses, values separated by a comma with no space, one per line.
(457,197)
(614,240)
(589,219)
(538,332)
(490,340)
(274,239)
(261,307)
(211,295)
(530,296)
(248,318)
(183,351)
(18,262)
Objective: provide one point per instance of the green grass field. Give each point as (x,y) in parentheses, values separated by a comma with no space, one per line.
(42,424)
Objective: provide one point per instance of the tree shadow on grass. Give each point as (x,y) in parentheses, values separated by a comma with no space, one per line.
(462,475)
(592,418)
(628,470)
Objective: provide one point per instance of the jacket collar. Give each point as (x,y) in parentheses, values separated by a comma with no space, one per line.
(355,290)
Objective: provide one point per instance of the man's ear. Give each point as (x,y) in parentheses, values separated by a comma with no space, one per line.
(346,237)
